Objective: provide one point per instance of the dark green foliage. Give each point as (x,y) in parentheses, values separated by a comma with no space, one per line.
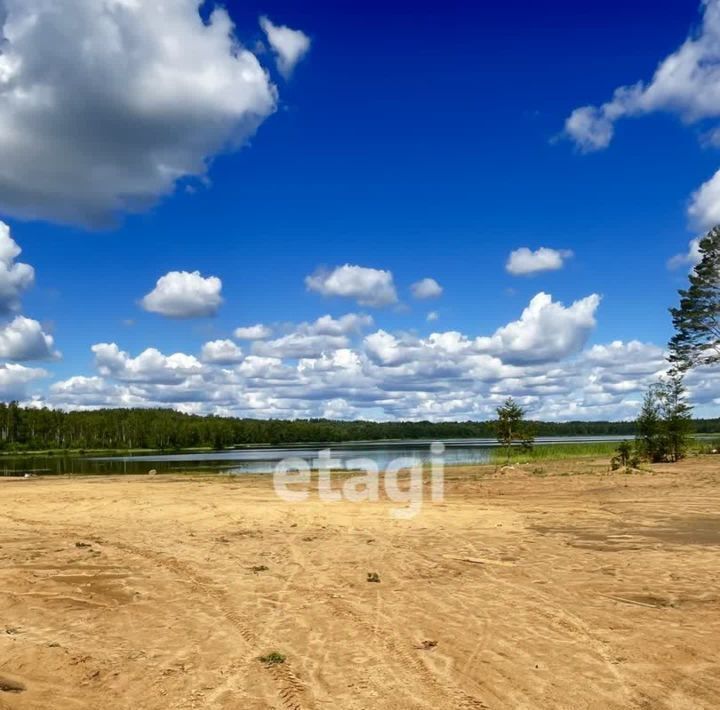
(511,427)
(697,319)
(665,422)
(676,416)
(624,453)
(626,456)
(649,427)
(165,429)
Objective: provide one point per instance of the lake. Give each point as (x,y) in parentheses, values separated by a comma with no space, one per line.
(262,459)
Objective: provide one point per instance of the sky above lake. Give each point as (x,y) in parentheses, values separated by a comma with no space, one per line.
(352,210)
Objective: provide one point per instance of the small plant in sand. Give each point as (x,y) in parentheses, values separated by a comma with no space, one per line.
(373,577)
(259,568)
(273,658)
(626,457)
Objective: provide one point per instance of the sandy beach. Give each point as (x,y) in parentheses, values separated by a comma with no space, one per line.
(519,591)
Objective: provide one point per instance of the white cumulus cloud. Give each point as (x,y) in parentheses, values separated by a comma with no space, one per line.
(150,366)
(426,288)
(15,277)
(221,352)
(24,339)
(289,45)
(704,209)
(344,325)
(547,330)
(14,380)
(523,261)
(369,287)
(184,294)
(307,340)
(391,375)
(80,392)
(106,104)
(687,83)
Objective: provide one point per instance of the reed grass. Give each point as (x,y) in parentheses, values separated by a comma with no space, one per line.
(557,452)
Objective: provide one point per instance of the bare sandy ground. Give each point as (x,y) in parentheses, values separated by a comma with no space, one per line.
(520,591)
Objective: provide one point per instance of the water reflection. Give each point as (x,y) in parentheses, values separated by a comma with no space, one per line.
(261,459)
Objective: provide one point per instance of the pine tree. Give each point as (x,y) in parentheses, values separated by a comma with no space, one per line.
(676,416)
(665,421)
(511,426)
(697,319)
(649,427)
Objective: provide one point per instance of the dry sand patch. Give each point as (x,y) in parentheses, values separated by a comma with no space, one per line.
(521,591)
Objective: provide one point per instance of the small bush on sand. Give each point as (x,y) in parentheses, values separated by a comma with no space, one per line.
(273,658)
(626,457)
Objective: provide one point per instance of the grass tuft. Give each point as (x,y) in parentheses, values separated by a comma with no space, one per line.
(273,658)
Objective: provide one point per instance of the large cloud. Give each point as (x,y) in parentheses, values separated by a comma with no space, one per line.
(106,104)
(150,366)
(181,294)
(14,380)
(24,339)
(290,46)
(369,287)
(523,262)
(15,277)
(546,331)
(687,83)
(21,338)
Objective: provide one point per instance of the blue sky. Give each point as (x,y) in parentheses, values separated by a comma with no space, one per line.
(425,140)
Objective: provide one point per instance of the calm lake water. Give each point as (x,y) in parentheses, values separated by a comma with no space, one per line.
(262,459)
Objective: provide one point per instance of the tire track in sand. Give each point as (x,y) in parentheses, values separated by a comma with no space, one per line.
(452,696)
(291,690)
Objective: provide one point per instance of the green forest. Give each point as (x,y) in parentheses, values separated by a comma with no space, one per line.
(24,429)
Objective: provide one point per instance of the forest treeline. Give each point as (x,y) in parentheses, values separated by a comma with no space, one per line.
(32,429)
